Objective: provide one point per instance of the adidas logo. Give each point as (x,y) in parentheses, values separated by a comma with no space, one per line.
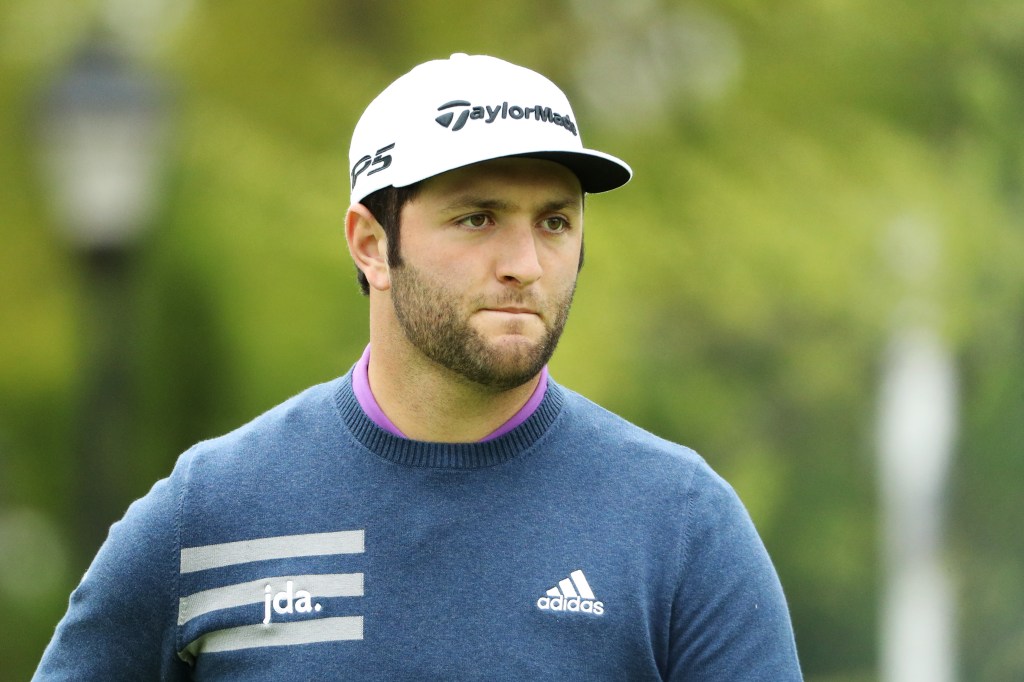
(489,114)
(572,594)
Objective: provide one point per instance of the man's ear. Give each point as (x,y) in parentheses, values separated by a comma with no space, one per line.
(368,246)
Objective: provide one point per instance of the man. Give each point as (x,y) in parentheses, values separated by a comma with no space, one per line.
(444,510)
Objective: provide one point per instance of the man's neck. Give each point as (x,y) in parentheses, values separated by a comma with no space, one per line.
(428,402)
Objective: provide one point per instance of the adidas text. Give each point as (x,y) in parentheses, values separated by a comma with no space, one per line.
(489,114)
(572,594)
(574,604)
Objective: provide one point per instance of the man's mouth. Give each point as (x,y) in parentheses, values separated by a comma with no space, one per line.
(514,310)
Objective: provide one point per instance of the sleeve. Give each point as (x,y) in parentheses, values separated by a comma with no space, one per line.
(729,616)
(121,622)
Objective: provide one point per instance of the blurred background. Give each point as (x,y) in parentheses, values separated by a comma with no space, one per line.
(816,278)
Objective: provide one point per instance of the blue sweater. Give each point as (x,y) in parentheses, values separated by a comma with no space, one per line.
(312,545)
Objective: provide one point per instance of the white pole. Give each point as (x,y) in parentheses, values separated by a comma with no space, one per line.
(916,434)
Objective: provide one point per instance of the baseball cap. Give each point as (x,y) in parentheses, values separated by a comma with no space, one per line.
(450,113)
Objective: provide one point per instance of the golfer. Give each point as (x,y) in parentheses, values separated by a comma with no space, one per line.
(445,510)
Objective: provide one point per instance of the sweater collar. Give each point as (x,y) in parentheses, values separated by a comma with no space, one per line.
(447,455)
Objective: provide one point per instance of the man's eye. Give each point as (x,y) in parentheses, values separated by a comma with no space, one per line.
(475,220)
(556,224)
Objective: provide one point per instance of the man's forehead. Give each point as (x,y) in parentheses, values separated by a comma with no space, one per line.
(477,202)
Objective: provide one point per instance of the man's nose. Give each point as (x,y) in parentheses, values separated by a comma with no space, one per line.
(518,261)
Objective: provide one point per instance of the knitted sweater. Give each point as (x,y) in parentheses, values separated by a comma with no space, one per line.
(312,545)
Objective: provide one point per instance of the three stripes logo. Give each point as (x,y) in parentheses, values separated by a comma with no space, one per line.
(232,582)
(572,594)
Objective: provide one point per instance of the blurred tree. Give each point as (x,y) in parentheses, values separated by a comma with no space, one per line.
(735,296)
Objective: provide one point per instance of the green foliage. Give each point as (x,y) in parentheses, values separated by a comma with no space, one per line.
(737,296)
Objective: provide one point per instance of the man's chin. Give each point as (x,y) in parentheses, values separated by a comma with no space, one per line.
(499,381)
(511,361)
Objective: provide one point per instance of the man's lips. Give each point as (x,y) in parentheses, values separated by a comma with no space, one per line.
(514,310)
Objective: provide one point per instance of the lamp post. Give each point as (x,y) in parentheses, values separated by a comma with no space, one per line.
(102,133)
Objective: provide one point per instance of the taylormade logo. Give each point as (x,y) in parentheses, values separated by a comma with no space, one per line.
(489,114)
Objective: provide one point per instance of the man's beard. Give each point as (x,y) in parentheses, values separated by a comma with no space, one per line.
(433,322)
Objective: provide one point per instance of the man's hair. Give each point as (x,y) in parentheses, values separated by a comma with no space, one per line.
(386,207)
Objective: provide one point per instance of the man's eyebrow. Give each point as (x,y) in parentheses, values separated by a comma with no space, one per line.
(574,202)
(469,202)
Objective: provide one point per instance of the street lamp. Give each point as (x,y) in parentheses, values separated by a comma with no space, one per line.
(102,133)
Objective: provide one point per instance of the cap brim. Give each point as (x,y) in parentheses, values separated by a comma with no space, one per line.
(597,171)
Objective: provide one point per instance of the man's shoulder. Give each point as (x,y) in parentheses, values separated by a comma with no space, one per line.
(619,457)
(295,424)
(219,484)
(599,428)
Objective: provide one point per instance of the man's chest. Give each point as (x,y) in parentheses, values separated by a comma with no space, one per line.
(422,598)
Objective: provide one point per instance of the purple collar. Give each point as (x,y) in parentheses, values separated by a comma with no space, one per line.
(361,387)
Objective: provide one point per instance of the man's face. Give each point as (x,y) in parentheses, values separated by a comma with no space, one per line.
(490,255)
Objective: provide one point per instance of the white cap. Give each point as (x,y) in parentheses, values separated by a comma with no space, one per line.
(450,113)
